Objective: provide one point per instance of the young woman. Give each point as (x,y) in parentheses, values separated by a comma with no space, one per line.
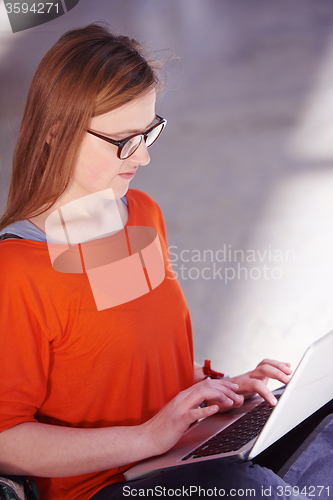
(97,371)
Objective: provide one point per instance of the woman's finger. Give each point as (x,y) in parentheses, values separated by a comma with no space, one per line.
(269,371)
(284,367)
(212,390)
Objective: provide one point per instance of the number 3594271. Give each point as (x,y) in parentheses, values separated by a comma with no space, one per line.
(308,491)
(35,8)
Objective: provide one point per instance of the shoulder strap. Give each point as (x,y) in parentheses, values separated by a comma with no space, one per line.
(7,236)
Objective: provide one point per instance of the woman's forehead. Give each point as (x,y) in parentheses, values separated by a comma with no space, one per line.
(134,116)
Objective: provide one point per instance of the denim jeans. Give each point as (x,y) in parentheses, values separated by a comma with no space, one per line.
(308,473)
(219,478)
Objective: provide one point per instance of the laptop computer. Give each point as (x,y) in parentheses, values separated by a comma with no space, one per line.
(310,388)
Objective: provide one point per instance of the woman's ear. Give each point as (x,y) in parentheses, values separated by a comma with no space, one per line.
(52,134)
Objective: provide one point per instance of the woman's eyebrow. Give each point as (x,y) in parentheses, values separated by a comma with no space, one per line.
(130,132)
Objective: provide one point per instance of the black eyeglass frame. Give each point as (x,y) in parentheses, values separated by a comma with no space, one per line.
(144,135)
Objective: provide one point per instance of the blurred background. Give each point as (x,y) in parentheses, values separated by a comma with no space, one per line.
(243,171)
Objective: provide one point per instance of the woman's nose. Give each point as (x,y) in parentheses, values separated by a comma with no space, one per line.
(141,155)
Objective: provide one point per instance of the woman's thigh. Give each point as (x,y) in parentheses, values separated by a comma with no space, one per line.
(220,478)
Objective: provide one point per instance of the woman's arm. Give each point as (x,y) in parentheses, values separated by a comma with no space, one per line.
(46,450)
(198,373)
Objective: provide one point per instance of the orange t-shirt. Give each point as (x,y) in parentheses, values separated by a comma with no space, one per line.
(63,362)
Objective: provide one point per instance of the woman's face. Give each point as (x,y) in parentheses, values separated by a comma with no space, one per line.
(98,166)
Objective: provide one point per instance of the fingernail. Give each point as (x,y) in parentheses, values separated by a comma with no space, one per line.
(213,408)
(274,401)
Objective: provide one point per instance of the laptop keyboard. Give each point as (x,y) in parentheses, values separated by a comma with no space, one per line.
(235,436)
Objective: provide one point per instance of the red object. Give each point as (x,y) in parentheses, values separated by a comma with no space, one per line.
(209,372)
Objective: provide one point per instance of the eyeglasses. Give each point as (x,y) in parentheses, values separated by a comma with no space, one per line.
(128,146)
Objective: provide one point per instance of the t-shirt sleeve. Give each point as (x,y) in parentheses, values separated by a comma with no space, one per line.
(24,348)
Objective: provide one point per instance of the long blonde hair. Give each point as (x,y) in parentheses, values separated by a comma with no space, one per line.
(88,72)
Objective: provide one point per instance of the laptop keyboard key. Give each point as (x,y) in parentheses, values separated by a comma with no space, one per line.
(234,437)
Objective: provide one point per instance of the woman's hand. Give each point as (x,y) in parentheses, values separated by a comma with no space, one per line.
(254,382)
(165,429)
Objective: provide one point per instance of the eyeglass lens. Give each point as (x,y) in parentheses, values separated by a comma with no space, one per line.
(132,145)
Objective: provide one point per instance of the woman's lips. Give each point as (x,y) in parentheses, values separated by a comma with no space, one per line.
(127,175)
